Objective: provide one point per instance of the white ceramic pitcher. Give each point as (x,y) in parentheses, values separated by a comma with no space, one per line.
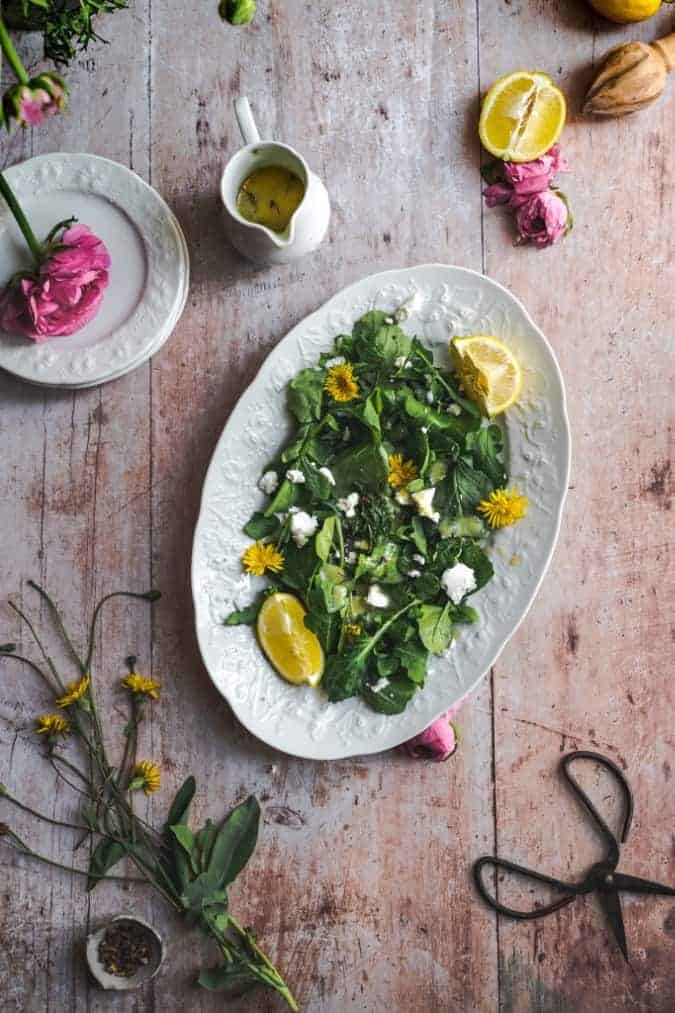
(309,221)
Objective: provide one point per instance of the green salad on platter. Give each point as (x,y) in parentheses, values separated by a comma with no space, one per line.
(379,508)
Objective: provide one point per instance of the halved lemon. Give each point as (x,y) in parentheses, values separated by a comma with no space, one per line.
(293,649)
(488,370)
(522,116)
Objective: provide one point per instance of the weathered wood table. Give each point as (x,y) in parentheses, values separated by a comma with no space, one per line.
(360,886)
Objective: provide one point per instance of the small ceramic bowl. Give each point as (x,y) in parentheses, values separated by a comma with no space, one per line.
(144,974)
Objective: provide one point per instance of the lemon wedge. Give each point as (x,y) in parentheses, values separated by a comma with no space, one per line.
(293,649)
(488,370)
(522,116)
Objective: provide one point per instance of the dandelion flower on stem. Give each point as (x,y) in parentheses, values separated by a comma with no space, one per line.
(341,383)
(503,507)
(262,556)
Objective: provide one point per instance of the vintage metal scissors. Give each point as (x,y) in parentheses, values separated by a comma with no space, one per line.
(601,878)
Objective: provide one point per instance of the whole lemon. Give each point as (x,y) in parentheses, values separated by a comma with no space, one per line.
(625,11)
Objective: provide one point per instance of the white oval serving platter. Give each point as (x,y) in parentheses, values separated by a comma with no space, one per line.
(447,301)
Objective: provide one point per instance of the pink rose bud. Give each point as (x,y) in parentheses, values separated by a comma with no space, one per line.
(497,193)
(64,294)
(543,219)
(535,176)
(437,742)
(32,103)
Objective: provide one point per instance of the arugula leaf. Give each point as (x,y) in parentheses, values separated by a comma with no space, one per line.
(486,446)
(392,699)
(324,538)
(418,536)
(427,586)
(362,466)
(468,486)
(327,627)
(435,627)
(244,617)
(284,497)
(305,394)
(413,658)
(345,674)
(375,339)
(260,526)
(299,567)
(472,555)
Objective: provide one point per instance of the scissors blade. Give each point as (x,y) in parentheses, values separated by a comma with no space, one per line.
(611,905)
(637,885)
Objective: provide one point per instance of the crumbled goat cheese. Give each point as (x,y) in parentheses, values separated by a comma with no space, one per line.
(348,504)
(380,685)
(414,573)
(430,397)
(303,526)
(295,476)
(401,361)
(454,409)
(419,558)
(362,544)
(376,597)
(328,475)
(423,501)
(269,483)
(338,360)
(458,581)
(402,497)
(424,429)
(351,557)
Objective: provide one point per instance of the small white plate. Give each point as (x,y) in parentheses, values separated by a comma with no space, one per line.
(148,275)
(299,720)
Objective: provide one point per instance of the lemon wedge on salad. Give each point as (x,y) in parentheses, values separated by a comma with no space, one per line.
(292,647)
(488,370)
(522,116)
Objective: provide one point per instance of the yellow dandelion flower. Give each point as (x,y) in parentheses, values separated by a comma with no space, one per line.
(341,383)
(262,556)
(51,724)
(351,630)
(74,692)
(146,776)
(401,472)
(503,507)
(139,684)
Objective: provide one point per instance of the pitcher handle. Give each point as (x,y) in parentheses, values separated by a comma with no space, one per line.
(249,131)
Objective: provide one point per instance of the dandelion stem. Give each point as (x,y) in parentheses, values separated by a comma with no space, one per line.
(29,624)
(32,241)
(41,816)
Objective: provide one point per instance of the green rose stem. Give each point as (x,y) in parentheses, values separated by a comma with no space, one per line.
(12,56)
(34,245)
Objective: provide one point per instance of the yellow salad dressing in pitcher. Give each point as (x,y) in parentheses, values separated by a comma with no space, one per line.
(270,196)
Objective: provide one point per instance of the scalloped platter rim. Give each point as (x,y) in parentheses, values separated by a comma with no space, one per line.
(446,301)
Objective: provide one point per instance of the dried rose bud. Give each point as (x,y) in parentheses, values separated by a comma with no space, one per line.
(32,103)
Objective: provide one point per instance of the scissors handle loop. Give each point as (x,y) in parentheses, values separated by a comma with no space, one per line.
(610,839)
(571,892)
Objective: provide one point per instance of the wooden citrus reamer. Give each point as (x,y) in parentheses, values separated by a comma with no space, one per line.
(631,76)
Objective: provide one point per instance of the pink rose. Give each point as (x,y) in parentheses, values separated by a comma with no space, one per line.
(32,103)
(437,742)
(543,219)
(533,177)
(497,193)
(66,292)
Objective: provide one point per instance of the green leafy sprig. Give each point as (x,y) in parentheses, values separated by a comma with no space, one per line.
(192,870)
